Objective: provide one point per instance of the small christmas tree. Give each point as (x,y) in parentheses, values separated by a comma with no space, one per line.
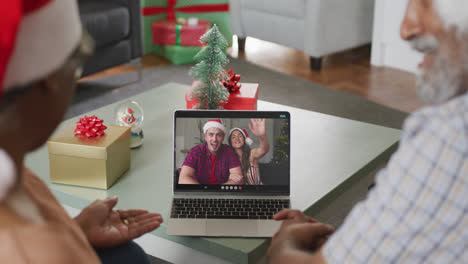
(210,70)
(280,153)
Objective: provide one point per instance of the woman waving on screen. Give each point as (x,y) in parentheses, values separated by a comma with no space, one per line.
(240,141)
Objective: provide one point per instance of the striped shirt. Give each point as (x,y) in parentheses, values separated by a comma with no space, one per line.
(253,176)
(418,211)
(199,158)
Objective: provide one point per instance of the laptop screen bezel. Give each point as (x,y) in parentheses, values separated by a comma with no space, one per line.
(260,190)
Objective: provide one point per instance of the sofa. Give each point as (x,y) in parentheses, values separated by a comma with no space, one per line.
(316,27)
(115,26)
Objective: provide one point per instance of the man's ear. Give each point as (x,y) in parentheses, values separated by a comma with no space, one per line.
(48,84)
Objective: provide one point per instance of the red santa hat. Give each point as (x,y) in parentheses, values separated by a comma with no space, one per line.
(453,12)
(214,123)
(248,140)
(36,38)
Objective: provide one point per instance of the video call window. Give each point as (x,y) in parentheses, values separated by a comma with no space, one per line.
(244,151)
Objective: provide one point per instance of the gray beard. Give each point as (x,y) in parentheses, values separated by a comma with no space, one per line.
(443,82)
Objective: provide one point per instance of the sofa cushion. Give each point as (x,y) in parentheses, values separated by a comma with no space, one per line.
(107,22)
(288,31)
(289,8)
(107,57)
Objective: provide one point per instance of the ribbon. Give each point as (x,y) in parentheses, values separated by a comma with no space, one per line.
(171,9)
(232,82)
(171,12)
(90,126)
(178,27)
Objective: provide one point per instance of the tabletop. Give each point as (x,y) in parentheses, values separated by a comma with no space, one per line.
(326,151)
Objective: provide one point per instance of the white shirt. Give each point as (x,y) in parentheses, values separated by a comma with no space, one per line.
(418,210)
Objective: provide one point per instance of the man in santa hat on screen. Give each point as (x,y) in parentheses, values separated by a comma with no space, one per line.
(212,163)
(42,51)
(418,210)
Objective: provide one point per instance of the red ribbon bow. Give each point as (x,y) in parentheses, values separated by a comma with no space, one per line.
(90,126)
(232,83)
(171,9)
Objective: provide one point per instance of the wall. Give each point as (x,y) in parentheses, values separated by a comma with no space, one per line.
(388,49)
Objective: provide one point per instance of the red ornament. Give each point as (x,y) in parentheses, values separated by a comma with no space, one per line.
(90,126)
(232,82)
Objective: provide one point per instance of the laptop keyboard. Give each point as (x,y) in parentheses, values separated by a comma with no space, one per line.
(227,208)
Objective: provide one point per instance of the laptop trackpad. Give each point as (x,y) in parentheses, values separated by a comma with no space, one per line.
(227,227)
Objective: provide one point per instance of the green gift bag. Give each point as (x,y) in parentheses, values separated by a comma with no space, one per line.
(216,11)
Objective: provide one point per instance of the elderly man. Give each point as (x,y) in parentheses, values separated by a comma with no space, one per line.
(212,162)
(418,211)
(42,50)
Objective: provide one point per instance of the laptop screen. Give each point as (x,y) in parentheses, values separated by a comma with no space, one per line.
(235,152)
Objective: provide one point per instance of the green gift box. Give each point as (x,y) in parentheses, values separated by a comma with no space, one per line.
(216,11)
(180,54)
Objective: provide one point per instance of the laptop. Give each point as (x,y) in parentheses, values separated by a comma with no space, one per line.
(216,196)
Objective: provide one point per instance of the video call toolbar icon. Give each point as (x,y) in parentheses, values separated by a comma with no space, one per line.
(231,187)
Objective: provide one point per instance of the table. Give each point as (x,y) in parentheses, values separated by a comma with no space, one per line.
(326,153)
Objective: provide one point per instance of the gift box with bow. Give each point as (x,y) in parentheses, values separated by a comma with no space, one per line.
(166,32)
(245,98)
(216,11)
(85,154)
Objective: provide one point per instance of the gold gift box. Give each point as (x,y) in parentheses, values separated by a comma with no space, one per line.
(90,162)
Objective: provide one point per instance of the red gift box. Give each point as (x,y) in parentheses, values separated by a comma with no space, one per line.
(244,99)
(166,32)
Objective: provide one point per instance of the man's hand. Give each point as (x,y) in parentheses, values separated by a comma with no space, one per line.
(105,227)
(235,176)
(299,243)
(235,179)
(293,216)
(298,237)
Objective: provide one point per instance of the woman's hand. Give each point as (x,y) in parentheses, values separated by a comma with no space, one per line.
(105,227)
(257,126)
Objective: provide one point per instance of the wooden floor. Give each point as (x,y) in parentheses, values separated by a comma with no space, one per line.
(348,71)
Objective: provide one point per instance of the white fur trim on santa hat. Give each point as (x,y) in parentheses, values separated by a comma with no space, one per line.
(216,124)
(453,13)
(248,140)
(46,37)
(7,174)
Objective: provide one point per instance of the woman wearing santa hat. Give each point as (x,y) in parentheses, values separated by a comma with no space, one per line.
(42,51)
(240,141)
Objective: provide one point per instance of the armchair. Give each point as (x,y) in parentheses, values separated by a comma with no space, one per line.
(317,27)
(115,26)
